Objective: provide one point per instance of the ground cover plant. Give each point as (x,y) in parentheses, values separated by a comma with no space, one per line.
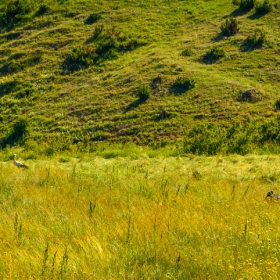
(87,217)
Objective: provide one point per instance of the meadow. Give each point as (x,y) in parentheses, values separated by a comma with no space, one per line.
(139,216)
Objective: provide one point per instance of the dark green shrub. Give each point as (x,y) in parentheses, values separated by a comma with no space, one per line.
(94,17)
(181,85)
(43,9)
(229,27)
(98,30)
(16,10)
(257,39)
(264,7)
(236,2)
(246,4)
(144,93)
(214,54)
(80,58)
(277,104)
(10,66)
(187,52)
(16,136)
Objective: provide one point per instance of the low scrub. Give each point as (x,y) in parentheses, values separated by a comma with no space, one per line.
(256,40)
(264,7)
(181,85)
(214,54)
(246,4)
(105,45)
(229,27)
(238,138)
(144,93)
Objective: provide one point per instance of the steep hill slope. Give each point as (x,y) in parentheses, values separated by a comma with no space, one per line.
(72,69)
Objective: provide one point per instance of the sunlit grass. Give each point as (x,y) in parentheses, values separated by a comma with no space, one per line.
(148,218)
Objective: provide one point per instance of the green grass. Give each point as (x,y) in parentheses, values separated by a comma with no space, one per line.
(142,218)
(100,101)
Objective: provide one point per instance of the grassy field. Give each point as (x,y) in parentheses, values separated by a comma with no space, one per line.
(99,101)
(139,217)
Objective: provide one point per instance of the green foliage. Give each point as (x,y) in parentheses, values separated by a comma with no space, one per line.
(236,2)
(229,27)
(257,39)
(277,104)
(106,45)
(246,4)
(239,138)
(214,54)
(80,58)
(187,52)
(15,11)
(181,85)
(264,7)
(17,133)
(43,9)
(94,17)
(144,93)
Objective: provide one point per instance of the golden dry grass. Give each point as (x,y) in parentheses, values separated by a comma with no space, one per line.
(160,218)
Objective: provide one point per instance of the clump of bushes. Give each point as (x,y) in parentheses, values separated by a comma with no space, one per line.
(264,7)
(144,93)
(257,39)
(81,57)
(229,27)
(181,85)
(214,54)
(15,11)
(239,137)
(105,45)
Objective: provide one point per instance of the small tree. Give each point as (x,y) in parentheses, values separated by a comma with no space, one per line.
(246,4)
(214,54)
(264,8)
(144,93)
(229,27)
(257,40)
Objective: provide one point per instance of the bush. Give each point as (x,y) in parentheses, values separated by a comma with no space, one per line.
(15,11)
(277,104)
(236,2)
(187,52)
(229,27)
(214,54)
(246,4)
(144,93)
(181,85)
(257,39)
(264,8)
(16,135)
(80,58)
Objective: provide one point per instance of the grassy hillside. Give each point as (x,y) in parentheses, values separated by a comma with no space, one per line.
(160,218)
(72,69)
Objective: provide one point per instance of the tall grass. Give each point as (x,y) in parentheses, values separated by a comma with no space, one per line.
(123,218)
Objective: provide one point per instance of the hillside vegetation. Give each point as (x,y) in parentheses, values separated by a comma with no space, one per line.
(72,70)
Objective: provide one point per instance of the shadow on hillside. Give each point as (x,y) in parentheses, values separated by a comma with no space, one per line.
(133,105)
(238,12)
(7,88)
(255,16)
(218,38)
